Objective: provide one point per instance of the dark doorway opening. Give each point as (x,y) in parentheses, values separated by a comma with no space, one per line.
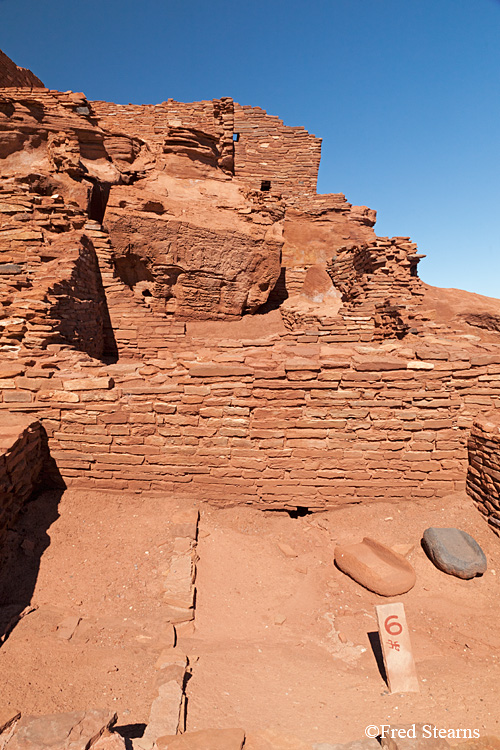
(98,200)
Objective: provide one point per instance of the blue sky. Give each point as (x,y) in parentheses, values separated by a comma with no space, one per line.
(404,93)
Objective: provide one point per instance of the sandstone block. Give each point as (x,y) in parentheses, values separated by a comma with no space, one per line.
(78,730)
(419,365)
(165,713)
(66,629)
(218,371)
(376,567)
(206,739)
(286,549)
(184,523)
(88,384)
(11,370)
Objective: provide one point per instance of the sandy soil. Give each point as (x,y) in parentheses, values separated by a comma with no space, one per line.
(265,649)
(103,564)
(267,626)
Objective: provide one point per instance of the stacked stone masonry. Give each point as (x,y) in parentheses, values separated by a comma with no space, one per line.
(22,459)
(483,477)
(12,75)
(279,423)
(49,276)
(265,150)
(121,224)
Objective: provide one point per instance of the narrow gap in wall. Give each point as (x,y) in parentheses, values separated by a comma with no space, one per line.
(98,200)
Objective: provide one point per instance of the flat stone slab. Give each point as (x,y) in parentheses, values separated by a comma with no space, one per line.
(455,552)
(376,567)
(77,730)
(10,268)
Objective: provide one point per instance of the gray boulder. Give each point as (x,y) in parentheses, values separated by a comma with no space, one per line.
(455,552)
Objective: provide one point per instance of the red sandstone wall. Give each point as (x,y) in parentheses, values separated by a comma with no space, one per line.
(288,157)
(296,424)
(316,226)
(21,462)
(49,276)
(266,150)
(155,124)
(483,477)
(12,75)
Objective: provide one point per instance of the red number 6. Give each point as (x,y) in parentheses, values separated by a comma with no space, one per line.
(393,628)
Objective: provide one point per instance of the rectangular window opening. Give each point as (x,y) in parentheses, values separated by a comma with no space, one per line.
(265,185)
(236,137)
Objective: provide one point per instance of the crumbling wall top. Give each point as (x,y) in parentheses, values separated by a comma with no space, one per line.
(12,75)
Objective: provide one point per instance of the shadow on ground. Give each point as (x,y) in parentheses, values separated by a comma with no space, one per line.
(23,546)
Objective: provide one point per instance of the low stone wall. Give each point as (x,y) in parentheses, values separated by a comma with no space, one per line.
(279,423)
(22,457)
(483,477)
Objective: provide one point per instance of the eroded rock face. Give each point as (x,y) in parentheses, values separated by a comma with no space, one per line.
(201,258)
(200,243)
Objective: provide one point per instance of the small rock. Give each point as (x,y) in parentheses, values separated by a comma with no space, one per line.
(376,567)
(66,628)
(342,637)
(279,619)
(455,552)
(286,549)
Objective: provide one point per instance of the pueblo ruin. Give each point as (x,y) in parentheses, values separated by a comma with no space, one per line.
(210,376)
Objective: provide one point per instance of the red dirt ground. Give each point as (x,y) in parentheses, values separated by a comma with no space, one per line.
(265,648)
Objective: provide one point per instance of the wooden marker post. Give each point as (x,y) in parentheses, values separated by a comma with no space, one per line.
(396,648)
